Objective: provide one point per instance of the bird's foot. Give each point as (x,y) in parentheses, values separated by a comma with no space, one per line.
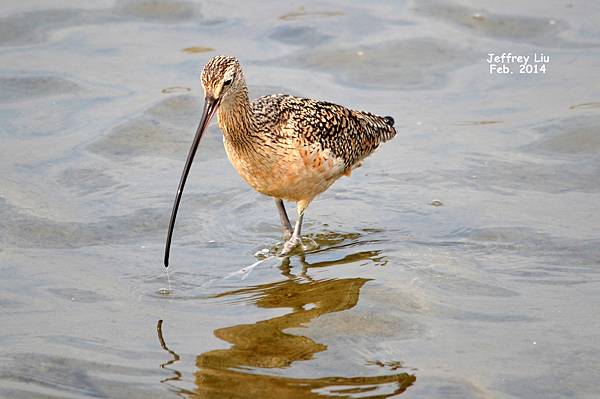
(290,245)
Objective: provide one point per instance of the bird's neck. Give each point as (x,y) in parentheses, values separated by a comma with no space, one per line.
(236,119)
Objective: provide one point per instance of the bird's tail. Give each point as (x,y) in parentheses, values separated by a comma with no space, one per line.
(390,132)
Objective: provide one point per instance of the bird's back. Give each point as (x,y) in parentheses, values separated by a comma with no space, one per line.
(347,134)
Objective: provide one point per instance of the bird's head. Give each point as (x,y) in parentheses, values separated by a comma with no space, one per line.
(221,79)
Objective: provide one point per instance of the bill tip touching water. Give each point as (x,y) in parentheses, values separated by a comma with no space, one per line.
(286,147)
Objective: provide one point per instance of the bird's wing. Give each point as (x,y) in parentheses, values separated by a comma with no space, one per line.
(347,134)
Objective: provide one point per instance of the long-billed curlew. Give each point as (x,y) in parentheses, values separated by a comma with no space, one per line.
(286,147)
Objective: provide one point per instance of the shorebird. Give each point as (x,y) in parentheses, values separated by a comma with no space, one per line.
(286,147)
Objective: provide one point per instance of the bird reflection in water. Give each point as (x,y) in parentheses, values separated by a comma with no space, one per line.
(238,372)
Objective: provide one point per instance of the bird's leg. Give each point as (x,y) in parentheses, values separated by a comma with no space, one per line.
(295,239)
(286,226)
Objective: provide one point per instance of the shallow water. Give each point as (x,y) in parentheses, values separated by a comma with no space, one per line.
(492,294)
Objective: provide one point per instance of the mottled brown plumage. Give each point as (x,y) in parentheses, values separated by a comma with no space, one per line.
(286,147)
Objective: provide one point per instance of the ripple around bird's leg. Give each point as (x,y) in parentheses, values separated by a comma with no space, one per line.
(244,272)
(321,242)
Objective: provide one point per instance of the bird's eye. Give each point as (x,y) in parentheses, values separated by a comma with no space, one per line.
(227,82)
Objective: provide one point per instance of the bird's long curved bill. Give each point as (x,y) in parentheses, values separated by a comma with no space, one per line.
(210,106)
